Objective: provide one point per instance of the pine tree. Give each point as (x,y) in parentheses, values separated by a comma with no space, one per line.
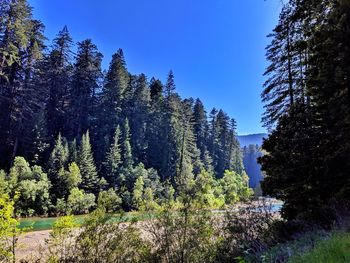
(87,166)
(170,86)
(286,73)
(21,46)
(201,132)
(308,151)
(189,156)
(56,165)
(113,159)
(116,83)
(111,102)
(171,132)
(57,79)
(156,120)
(127,153)
(139,118)
(85,82)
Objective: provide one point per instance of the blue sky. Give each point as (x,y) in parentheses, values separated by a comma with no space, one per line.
(216,48)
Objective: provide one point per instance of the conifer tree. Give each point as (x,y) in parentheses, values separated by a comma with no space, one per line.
(111,102)
(156,120)
(127,153)
(57,165)
(139,118)
(21,46)
(201,132)
(171,131)
(57,79)
(170,86)
(87,166)
(85,82)
(113,159)
(116,83)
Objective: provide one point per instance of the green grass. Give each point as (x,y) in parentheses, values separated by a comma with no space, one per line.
(38,223)
(336,249)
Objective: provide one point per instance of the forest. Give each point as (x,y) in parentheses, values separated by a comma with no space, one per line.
(72,134)
(76,139)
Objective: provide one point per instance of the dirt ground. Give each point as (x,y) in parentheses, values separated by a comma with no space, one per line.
(30,244)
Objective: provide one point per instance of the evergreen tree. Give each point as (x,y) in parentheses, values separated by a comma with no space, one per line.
(113,159)
(109,112)
(57,79)
(21,45)
(171,132)
(170,86)
(57,165)
(116,83)
(308,151)
(127,153)
(156,119)
(286,73)
(139,118)
(87,166)
(85,82)
(189,160)
(201,132)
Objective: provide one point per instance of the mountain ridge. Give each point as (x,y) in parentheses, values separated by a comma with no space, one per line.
(254,138)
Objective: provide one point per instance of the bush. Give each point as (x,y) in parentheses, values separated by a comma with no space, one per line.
(109,200)
(100,239)
(79,202)
(246,233)
(185,235)
(335,249)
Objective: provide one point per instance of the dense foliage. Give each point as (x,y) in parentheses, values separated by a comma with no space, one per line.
(307,96)
(88,137)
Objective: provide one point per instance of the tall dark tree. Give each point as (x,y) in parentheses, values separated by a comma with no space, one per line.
(85,82)
(171,133)
(112,99)
(140,119)
(189,155)
(21,45)
(57,79)
(154,131)
(286,73)
(201,127)
(308,151)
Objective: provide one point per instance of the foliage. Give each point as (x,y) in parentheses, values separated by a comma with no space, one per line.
(99,240)
(61,245)
(8,228)
(188,235)
(79,202)
(248,233)
(91,131)
(307,105)
(109,200)
(333,249)
(31,185)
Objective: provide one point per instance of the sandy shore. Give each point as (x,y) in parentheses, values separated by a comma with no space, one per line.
(30,244)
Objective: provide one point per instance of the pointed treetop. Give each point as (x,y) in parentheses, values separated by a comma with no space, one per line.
(170,84)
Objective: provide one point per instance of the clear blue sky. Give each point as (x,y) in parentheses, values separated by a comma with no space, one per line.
(216,48)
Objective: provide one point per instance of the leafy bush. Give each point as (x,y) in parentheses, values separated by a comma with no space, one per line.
(99,239)
(335,249)
(79,202)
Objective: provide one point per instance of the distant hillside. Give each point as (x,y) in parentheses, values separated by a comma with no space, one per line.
(246,140)
(251,166)
(251,151)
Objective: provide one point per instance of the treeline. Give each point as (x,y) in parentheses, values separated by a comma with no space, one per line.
(307,101)
(98,133)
